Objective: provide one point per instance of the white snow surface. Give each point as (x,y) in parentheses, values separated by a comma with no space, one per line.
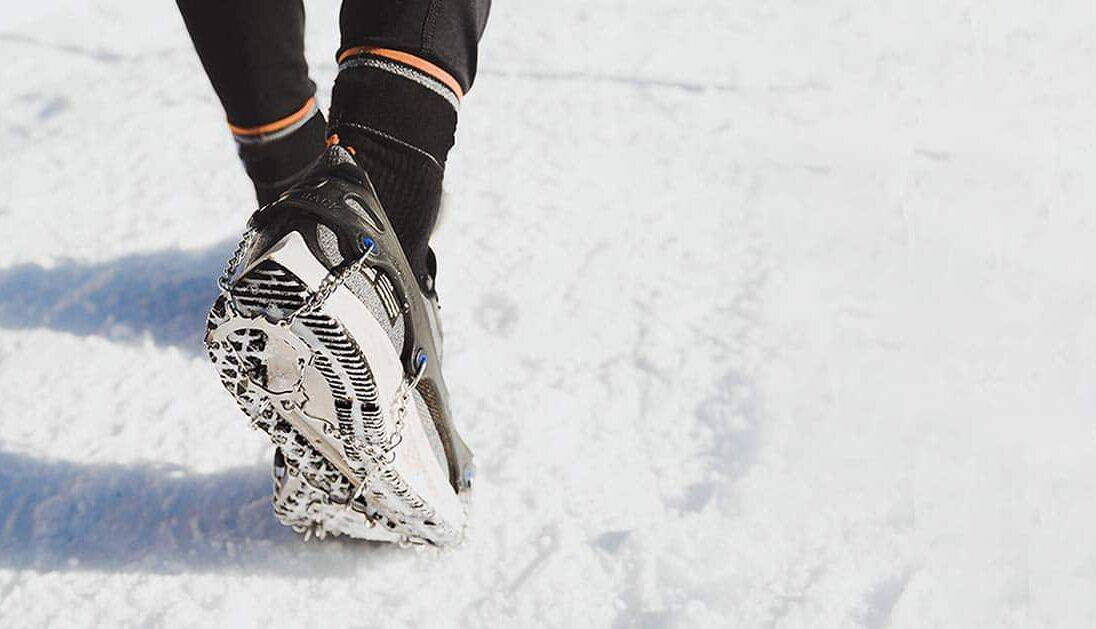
(759,315)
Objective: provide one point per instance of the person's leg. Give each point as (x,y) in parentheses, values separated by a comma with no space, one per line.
(343,343)
(253,53)
(404,66)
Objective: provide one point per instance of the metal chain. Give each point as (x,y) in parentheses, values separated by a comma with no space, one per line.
(403,395)
(332,281)
(233,263)
(328,285)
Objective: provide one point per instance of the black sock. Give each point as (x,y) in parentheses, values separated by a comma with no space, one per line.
(276,160)
(400,121)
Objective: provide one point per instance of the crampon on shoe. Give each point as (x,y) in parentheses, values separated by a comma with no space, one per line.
(332,348)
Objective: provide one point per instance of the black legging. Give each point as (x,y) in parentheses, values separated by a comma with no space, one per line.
(253,50)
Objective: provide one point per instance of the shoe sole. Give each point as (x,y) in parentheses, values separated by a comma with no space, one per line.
(351,465)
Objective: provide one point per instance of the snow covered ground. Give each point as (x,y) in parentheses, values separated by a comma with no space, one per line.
(759,314)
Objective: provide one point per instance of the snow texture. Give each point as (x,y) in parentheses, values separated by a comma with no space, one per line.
(759,314)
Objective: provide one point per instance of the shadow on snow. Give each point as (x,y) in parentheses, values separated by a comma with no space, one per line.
(163,295)
(56,515)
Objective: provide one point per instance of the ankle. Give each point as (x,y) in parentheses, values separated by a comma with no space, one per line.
(275,160)
(408,185)
(398,114)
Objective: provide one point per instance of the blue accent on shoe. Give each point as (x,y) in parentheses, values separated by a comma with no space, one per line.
(367,242)
(420,360)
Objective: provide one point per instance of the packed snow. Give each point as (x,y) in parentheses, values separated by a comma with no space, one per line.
(758,314)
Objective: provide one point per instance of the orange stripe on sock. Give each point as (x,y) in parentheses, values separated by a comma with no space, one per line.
(420,64)
(277,125)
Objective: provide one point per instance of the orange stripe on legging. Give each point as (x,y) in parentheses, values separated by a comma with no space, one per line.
(420,64)
(277,125)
